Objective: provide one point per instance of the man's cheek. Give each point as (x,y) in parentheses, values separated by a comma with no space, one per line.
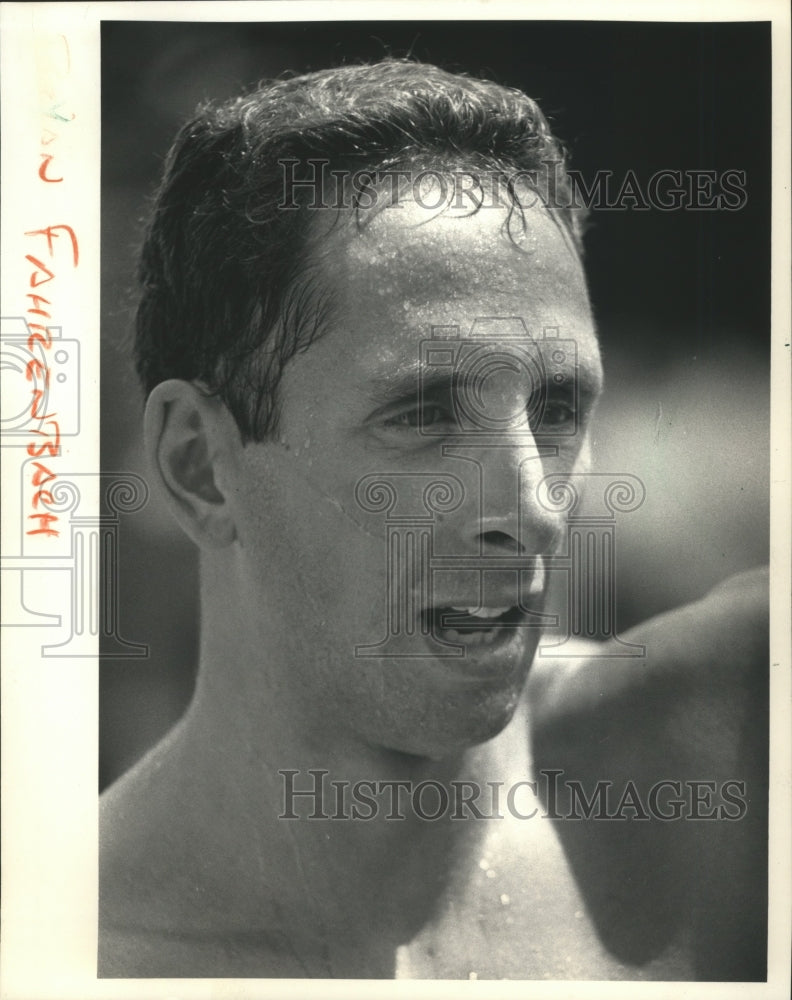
(583,459)
(340,567)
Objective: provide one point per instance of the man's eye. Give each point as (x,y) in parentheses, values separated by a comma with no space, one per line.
(557,414)
(427,416)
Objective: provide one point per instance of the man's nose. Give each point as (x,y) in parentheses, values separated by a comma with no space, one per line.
(508,518)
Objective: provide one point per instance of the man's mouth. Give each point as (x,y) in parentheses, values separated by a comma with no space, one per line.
(474,626)
(495,613)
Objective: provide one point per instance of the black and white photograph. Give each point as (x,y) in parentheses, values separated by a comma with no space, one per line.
(429,575)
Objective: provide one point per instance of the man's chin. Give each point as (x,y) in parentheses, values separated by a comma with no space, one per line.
(451,737)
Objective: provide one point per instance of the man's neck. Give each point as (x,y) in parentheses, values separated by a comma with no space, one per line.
(346,844)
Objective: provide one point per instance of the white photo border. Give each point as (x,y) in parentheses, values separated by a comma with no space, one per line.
(50,707)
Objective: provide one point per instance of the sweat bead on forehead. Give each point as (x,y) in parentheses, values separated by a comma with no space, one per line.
(418,249)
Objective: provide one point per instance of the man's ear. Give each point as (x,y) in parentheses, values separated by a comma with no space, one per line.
(189,437)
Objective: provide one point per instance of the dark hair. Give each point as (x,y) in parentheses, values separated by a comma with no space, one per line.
(228,291)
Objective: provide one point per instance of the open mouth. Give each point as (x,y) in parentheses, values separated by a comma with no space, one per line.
(493,621)
(473,626)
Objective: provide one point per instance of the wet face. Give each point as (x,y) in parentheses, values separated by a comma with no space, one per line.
(391,541)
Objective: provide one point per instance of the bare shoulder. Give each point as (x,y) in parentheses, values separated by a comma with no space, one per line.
(709,653)
(688,718)
(136,877)
(138,953)
(137,836)
(176,896)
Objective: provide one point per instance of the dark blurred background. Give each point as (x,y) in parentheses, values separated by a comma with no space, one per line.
(681,297)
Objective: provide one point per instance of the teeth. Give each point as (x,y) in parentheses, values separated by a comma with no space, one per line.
(475,612)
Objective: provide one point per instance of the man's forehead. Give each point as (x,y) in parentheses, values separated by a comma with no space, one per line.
(411,268)
(424,248)
(408,271)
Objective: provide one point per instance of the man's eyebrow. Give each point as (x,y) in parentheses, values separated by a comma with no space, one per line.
(409,383)
(395,386)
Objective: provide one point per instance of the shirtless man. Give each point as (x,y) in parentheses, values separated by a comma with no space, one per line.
(280,343)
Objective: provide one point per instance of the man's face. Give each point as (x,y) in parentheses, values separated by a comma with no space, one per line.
(391,538)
